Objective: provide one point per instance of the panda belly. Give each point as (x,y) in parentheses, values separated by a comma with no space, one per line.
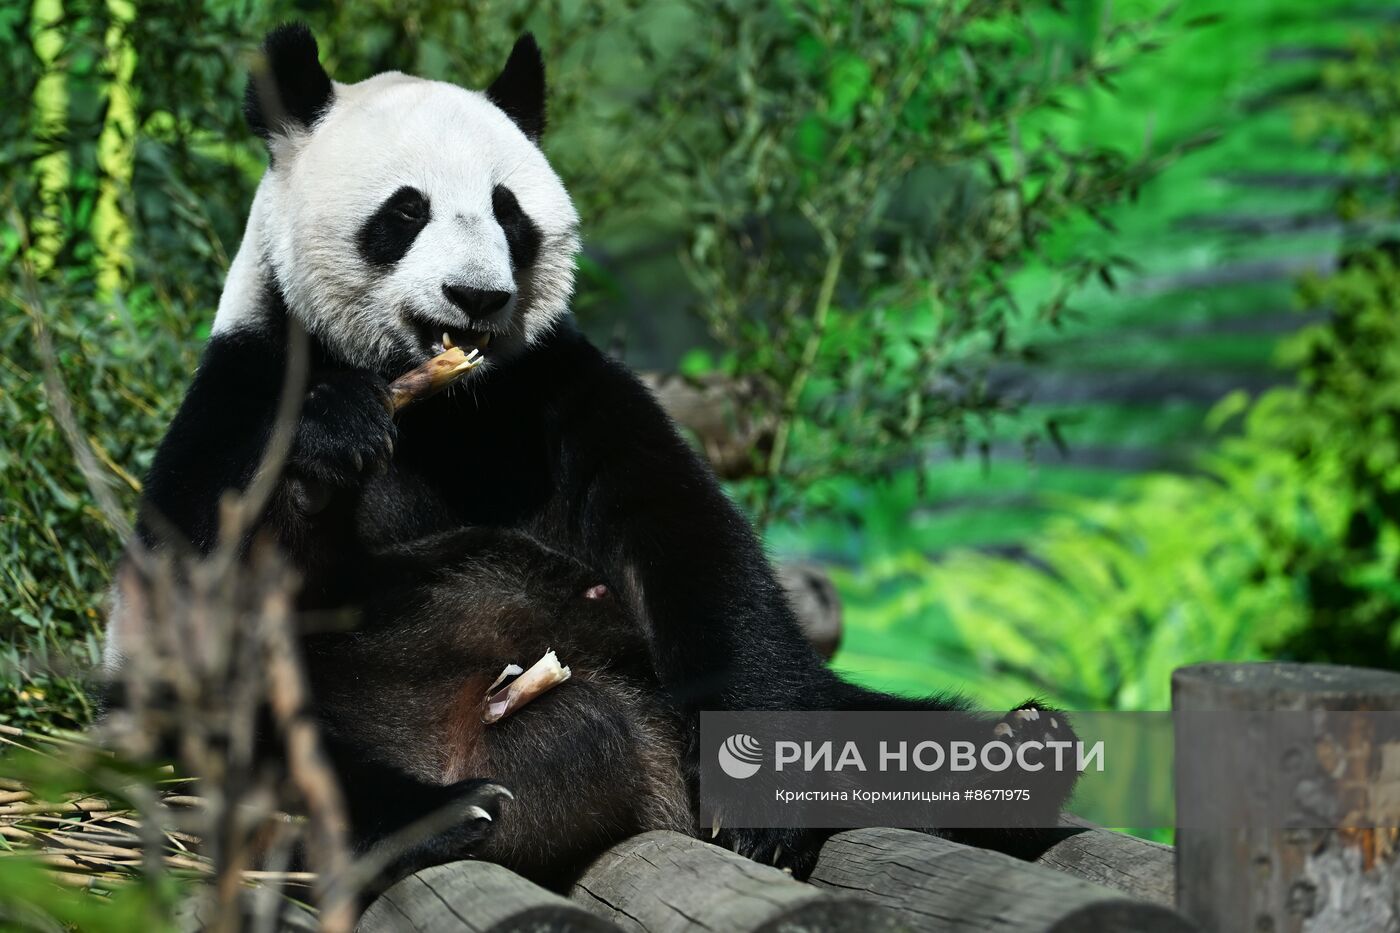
(594,760)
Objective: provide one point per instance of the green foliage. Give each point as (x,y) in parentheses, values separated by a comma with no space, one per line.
(95,897)
(1364,126)
(31,900)
(1285,542)
(1342,422)
(124,374)
(876,178)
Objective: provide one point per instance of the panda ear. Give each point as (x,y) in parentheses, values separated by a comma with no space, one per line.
(519,88)
(288,90)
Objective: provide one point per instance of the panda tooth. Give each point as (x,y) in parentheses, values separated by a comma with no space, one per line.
(447,343)
(483,340)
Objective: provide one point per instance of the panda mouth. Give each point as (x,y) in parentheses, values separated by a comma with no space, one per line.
(438,338)
(479,339)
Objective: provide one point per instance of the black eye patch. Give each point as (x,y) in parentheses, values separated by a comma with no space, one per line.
(522,236)
(386,236)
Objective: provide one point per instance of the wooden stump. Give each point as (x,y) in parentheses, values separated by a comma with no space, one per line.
(1137,867)
(663,881)
(474,897)
(1245,876)
(941,885)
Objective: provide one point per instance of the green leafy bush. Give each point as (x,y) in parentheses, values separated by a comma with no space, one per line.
(877,177)
(1286,543)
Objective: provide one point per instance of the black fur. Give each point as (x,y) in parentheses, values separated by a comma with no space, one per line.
(290,90)
(519,89)
(386,236)
(522,235)
(346,429)
(589,763)
(239,377)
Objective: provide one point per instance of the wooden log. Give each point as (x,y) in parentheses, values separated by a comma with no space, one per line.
(663,881)
(473,897)
(1246,875)
(942,885)
(1138,867)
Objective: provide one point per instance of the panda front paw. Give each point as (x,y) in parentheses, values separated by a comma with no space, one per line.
(476,806)
(794,851)
(346,431)
(466,814)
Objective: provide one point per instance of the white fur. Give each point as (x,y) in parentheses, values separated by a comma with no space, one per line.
(379,135)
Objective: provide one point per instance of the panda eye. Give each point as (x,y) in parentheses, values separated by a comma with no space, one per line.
(412,207)
(504,204)
(386,236)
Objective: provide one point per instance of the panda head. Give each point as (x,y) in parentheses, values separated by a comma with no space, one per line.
(398,214)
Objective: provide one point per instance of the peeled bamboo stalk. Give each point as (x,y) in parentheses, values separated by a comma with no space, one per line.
(543,676)
(433,376)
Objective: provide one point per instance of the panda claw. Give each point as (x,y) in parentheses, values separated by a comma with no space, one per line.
(494,792)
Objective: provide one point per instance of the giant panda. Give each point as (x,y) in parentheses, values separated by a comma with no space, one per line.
(398,215)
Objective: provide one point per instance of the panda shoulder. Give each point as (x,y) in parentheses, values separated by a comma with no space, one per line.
(584,380)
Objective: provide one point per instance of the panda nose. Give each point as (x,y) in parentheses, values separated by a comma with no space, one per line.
(476,302)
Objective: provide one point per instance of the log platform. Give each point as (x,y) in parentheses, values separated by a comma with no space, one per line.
(877,880)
